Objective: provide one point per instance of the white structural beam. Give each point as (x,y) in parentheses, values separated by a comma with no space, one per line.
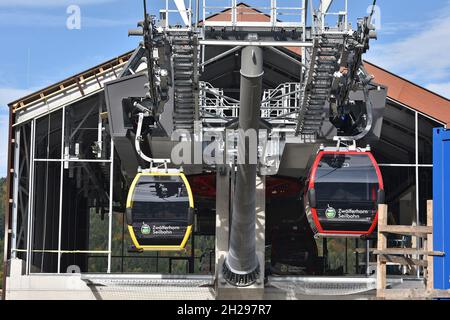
(325,5)
(242,43)
(181,7)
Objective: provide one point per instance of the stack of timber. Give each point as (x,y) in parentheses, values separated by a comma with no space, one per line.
(423,257)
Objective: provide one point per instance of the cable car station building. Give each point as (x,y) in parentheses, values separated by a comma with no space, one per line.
(72,161)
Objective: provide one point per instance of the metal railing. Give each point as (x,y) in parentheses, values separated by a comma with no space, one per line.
(267,13)
(341,24)
(215,105)
(167,15)
(263,13)
(282,102)
(278,106)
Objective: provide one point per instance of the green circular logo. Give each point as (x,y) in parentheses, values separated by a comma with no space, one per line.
(145,229)
(330,213)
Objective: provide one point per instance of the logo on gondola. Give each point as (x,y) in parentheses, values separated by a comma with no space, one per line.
(330,213)
(145,229)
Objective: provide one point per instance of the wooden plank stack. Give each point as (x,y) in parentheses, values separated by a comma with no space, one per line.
(423,257)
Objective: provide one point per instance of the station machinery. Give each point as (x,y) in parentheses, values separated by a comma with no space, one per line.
(182,90)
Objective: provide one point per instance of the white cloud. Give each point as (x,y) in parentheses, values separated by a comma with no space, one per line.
(32,19)
(423,55)
(393,28)
(38,19)
(49,3)
(104,23)
(440,88)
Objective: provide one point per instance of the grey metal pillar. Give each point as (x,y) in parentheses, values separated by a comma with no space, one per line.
(241,267)
(222,216)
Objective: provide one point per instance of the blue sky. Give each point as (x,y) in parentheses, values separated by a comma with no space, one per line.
(38,49)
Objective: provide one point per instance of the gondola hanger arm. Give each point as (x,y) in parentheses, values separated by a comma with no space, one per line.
(138,139)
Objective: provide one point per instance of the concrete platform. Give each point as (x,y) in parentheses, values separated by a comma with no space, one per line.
(76,286)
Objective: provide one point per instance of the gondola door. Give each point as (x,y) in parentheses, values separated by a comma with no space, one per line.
(160,210)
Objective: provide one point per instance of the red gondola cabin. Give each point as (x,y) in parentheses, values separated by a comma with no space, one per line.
(343,192)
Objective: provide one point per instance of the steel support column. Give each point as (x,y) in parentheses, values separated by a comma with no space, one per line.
(241,267)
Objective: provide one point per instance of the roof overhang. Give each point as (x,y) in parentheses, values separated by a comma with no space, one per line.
(412,95)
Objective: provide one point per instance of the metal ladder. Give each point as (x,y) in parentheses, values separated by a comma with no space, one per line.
(185,80)
(325,62)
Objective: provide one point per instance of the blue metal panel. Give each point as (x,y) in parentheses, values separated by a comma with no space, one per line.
(441,204)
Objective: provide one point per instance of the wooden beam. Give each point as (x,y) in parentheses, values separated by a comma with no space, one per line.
(396,255)
(408,251)
(363,250)
(402,294)
(98,81)
(381,245)
(404,261)
(430,259)
(415,294)
(79,86)
(420,231)
(440,293)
